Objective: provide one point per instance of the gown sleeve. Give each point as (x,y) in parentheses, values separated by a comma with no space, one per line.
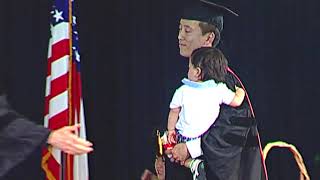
(19,137)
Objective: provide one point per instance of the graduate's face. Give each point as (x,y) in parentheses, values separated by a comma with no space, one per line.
(190,37)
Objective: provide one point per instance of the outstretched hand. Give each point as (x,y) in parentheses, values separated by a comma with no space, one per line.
(65,140)
(159,166)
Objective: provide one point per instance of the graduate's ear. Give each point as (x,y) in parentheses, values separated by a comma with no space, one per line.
(209,39)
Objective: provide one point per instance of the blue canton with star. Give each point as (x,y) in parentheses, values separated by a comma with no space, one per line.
(60,13)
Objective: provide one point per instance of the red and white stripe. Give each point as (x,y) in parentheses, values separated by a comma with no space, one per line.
(57,106)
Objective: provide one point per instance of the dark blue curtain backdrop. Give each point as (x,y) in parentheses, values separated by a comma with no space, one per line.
(131,66)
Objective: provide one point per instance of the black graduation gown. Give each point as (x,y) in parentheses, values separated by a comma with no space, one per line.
(231,149)
(19,137)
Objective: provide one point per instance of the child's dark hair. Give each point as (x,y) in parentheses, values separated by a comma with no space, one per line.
(212,62)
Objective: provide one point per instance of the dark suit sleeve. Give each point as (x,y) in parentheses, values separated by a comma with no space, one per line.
(19,137)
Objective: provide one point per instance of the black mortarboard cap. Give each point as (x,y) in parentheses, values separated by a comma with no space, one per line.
(209,11)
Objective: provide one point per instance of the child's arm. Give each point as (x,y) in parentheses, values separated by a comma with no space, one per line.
(238,97)
(172,121)
(173,118)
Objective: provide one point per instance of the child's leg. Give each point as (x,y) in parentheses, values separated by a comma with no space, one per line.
(197,168)
(188,162)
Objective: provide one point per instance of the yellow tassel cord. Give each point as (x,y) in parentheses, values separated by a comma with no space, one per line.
(159,143)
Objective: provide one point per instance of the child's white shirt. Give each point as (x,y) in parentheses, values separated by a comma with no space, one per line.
(200,106)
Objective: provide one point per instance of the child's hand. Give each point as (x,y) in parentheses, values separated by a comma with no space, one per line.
(171,136)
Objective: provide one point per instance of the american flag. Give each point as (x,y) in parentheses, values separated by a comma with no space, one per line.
(63,100)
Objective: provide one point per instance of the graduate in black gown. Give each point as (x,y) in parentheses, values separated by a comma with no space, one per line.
(231,147)
(19,137)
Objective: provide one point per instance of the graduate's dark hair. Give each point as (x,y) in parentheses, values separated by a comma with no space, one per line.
(209,28)
(212,62)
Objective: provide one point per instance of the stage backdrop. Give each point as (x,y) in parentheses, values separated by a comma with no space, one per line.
(131,66)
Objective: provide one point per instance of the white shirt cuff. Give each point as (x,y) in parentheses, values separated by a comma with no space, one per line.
(194,147)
